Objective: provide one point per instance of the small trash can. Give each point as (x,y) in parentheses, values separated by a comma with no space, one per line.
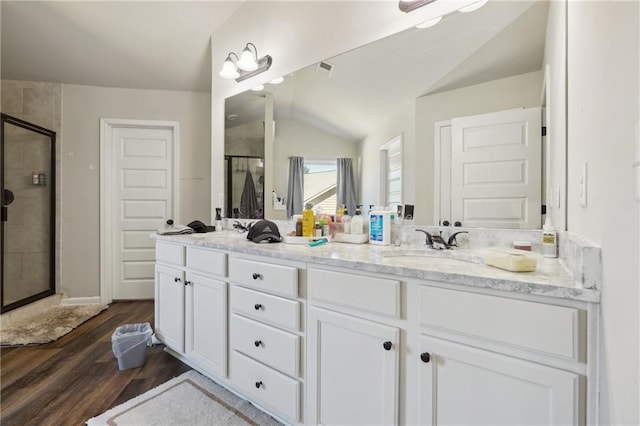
(129,343)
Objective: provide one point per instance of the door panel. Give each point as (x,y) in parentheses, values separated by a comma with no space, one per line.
(143,200)
(496,169)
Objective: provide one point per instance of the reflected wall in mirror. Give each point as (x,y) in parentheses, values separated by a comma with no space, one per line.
(244,158)
(507,55)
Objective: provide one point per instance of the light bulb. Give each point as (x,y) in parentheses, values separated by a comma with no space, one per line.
(258,87)
(277,80)
(229,69)
(429,23)
(473,6)
(247,61)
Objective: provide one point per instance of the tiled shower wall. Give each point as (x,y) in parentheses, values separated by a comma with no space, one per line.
(27,236)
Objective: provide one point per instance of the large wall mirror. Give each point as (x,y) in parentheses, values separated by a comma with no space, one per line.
(434,86)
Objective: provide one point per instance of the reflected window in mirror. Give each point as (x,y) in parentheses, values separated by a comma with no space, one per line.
(320,179)
(391,172)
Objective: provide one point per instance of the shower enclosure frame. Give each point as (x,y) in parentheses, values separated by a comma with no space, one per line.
(229,181)
(7,119)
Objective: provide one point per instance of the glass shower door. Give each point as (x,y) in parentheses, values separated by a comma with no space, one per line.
(28,212)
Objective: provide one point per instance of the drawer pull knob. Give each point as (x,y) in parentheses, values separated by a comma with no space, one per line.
(258,385)
(425,356)
(187,283)
(177,280)
(257,343)
(256,276)
(387,345)
(257,306)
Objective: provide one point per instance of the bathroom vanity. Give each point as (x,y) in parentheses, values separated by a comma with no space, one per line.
(361,334)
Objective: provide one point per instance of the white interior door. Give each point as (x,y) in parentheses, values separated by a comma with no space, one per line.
(496,169)
(139,189)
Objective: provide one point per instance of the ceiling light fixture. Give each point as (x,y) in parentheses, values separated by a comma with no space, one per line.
(473,6)
(409,5)
(246,66)
(429,23)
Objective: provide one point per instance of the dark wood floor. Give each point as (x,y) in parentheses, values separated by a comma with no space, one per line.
(68,381)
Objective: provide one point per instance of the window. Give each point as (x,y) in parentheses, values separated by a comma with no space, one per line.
(391,172)
(320,179)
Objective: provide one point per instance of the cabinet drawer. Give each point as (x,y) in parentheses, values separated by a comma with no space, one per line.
(371,294)
(555,330)
(170,253)
(277,279)
(272,346)
(207,261)
(276,390)
(265,307)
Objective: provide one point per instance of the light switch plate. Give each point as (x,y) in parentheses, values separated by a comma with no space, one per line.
(582,187)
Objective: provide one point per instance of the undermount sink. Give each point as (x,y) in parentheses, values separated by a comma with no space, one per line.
(415,256)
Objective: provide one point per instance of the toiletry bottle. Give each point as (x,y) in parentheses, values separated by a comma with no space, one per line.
(218,223)
(308,221)
(346,222)
(549,240)
(299,227)
(357,223)
(380,227)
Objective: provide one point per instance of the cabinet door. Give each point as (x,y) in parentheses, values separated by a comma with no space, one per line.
(169,307)
(206,322)
(464,385)
(353,370)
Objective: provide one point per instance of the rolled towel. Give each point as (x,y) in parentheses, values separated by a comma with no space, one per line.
(175,230)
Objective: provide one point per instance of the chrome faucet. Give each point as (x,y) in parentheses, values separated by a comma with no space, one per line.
(438,242)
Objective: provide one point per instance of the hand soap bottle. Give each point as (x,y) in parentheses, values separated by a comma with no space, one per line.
(357,223)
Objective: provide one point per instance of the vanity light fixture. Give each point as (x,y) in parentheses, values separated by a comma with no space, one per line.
(277,80)
(473,6)
(246,66)
(409,5)
(258,87)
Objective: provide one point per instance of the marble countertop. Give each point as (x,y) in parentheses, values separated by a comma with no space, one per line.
(457,267)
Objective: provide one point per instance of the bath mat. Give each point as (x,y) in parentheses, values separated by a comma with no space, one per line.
(48,325)
(189,399)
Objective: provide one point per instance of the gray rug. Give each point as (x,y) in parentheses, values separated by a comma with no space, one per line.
(48,325)
(189,399)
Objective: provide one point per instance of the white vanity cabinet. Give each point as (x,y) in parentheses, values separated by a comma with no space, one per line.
(495,360)
(191,304)
(353,354)
(170,295)
(266,334)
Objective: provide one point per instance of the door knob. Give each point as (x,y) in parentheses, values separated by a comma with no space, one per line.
(258,384)
(425,356)
(257,343)
(177,280)
(187,283)
(387,345)
(257,306)
(256,276)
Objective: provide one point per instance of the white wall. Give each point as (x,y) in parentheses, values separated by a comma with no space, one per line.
(603,74)
(82,107)
(512,92)
(295,138)
(402,123)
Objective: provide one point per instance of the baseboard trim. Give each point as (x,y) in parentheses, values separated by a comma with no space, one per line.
(80,300)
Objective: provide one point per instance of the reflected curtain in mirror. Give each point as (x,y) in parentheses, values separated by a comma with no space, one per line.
(295,186)
(346,188)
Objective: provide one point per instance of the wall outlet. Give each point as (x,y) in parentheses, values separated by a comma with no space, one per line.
(582,187)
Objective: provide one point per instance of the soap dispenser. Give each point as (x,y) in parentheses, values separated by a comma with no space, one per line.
(357,223)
